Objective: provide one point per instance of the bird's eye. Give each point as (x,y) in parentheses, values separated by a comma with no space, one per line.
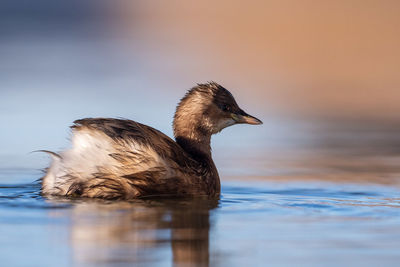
(226,108)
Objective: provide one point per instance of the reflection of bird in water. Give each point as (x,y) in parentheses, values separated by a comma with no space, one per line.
(115,158)
(142,232)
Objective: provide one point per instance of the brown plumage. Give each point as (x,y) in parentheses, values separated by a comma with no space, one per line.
(116,158)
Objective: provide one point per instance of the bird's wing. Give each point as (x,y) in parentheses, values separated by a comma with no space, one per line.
(114,157)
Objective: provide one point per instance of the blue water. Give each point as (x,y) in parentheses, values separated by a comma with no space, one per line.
(257,222)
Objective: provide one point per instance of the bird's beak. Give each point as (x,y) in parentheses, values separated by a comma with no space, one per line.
(243,117)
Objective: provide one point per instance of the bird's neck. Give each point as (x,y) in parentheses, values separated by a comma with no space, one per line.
(197,146)
(192,137)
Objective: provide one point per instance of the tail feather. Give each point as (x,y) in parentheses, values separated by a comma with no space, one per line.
(51,153)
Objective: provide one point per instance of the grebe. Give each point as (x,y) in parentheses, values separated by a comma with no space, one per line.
(123,159)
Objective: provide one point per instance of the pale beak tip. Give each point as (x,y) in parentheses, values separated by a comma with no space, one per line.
(243,117)
(254,121)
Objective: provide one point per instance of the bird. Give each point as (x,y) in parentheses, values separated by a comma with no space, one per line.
(114,158)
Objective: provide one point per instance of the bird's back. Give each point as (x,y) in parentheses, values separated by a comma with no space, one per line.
(116,158)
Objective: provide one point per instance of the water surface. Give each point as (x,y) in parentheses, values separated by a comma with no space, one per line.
(255,222)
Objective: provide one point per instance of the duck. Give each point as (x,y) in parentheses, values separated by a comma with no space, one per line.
(114,158)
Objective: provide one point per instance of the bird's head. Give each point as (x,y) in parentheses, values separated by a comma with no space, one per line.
(206,109)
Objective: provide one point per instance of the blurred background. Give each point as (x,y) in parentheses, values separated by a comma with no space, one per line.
(308,187)
(322,75)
